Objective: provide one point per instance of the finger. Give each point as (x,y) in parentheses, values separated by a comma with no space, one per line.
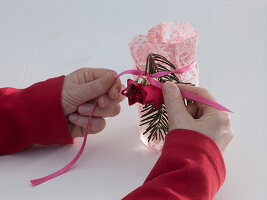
(85,75)
(96,125)
(174,102)
(111,111)
(192,109)
(105,100)
(96,88)
(115,89)
(201,92)
(76,131)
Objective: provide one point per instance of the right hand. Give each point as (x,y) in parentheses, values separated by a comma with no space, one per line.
(81,89)
(197,116)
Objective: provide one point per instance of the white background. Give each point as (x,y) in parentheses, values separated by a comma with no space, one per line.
(42,39)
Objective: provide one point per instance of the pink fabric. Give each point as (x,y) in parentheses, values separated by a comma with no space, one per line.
(68,166)
(175,41)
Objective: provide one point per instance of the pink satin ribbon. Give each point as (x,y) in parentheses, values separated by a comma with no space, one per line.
(75,159)
(184,93)
(152,81)
(139,72)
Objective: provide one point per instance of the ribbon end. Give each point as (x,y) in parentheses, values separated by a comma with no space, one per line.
(35,182)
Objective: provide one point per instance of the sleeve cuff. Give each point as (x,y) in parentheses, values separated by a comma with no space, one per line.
(201,142)
(50,124)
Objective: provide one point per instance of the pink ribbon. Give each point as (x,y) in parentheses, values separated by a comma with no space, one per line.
(75,159)
(139,72)
(152,81)
(184,93)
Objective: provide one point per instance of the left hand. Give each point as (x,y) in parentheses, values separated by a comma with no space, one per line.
(83,87)
(197,116)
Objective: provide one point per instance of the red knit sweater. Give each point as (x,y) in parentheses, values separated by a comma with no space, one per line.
(190,166)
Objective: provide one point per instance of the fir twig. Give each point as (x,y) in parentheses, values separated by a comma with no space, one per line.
(157,119)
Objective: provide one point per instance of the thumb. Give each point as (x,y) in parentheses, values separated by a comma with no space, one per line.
(96,88)
(174,102)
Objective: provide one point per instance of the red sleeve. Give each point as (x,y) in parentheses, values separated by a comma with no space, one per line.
(32,116)
(190,167)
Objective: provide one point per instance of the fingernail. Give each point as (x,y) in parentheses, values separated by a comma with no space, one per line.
(73,118)
(84,109)
(168,87)
(118,90)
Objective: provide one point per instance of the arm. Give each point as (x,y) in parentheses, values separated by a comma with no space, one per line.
(32,116)
(190,167)
(37,114)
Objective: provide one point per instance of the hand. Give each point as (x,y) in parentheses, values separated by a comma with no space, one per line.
(197,116)
(81,89)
